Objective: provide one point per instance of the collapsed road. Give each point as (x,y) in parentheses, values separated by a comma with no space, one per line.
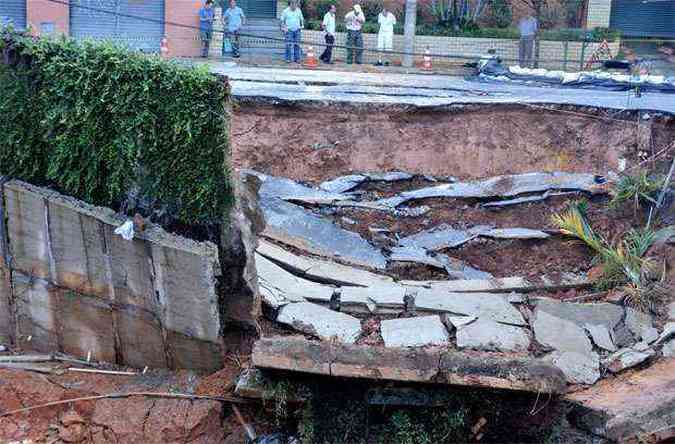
(406,251)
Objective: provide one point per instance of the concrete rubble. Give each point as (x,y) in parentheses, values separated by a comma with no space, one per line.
(347,183)
(443,236)
(319,321)
(414,332)
(626,358)
(579,368)
(488,335)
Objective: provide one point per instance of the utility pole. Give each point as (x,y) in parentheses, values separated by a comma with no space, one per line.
(409,32)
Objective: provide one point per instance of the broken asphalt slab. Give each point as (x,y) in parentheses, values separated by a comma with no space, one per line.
(428,365)
(504,186)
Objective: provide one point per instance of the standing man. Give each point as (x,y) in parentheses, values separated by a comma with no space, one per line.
(328,27)
(528,28)
(385,36)
(233,20)
(292,23)
(354,21)
(206,26)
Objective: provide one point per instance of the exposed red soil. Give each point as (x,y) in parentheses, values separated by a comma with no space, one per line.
(314,144)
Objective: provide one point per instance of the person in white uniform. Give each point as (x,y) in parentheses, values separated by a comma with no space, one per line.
(385,36)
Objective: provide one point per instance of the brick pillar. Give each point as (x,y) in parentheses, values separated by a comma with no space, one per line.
(183,42)
(45,17)
(598,14)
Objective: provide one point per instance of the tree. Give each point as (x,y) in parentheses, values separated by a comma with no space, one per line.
(409,32)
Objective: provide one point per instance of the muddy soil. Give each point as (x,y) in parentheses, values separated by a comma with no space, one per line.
(317,143)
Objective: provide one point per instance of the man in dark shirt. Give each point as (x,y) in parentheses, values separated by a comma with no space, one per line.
(206,26)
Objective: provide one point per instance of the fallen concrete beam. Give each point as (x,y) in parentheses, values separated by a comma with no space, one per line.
(428,365)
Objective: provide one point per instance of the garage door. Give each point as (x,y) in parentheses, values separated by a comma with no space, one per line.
(644,18)
(13,12)
(136,24)
(259,8)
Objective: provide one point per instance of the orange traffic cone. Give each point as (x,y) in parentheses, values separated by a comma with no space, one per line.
(164,47)
(426,60)
(310,60)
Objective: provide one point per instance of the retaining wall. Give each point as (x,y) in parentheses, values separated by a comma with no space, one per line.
(69,284)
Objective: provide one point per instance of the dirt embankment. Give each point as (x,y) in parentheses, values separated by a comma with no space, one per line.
(316,143)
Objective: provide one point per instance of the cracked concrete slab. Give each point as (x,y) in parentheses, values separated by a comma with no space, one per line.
(641,325)
(294,225)
(504,186)
(579,368)
(349,182)
(414,332)
(509,284)
(605,314)
(483,305)
(601,335)
(560,334)
(318,321)
(626,358)
(278,287)
(321,270)
(455,268)
(488,335)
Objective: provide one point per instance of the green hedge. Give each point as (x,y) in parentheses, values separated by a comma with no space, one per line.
(572,35)
(102,123)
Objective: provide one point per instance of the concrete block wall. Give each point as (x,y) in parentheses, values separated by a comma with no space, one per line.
(469,49)
(75,287)
(599,12)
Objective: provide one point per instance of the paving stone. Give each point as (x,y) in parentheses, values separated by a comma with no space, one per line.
(640,325)
(486,334)
(579,368)
(319,321)
(601,336)
(483,305)
(560,334)
(414,332)
(605,314)
(626,358)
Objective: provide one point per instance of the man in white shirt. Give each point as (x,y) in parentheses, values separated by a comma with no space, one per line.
(354,21)
(328,26)
(385,36)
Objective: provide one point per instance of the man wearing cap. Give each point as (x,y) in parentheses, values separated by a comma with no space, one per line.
(354,21)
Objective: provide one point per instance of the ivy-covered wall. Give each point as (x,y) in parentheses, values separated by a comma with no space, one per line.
(115,128)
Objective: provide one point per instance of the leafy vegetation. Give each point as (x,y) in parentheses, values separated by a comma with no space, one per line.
(113,127)
(638,188)
(625,263)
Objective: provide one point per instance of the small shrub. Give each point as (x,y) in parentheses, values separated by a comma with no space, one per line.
(638,189)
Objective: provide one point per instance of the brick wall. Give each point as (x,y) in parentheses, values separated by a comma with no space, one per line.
(45,17)
(468,49)
(183,42)
(598,13)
